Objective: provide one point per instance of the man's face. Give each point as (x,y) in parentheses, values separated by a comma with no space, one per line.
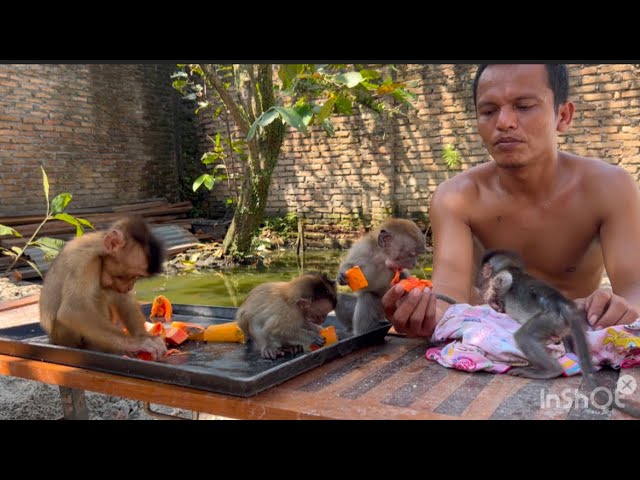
(516,117)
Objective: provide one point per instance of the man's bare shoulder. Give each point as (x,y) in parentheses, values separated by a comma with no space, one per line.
(457,192)
(599,176)
(467,183)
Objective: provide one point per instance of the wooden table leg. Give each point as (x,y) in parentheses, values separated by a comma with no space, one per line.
(74,404)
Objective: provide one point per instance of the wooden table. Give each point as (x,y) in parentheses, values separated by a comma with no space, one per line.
(389,381)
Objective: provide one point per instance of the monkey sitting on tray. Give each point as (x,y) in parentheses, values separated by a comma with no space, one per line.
(286,317)
(88,288)
(381,254)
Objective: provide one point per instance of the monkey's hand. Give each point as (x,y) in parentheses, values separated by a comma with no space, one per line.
(273,353)
(318,341)
(153,345)
(342,277)
(497,305)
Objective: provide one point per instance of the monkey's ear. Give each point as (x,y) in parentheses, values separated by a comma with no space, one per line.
(487,271)
(303,303)
(113,241)
(384,238)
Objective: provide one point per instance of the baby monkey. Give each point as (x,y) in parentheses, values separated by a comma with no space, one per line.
(544,313)
(286,317)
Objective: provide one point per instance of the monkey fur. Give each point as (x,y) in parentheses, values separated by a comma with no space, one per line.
(394,246)
(87,291)
(544,314)
(286,317)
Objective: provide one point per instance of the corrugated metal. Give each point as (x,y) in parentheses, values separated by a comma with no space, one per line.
(173,235)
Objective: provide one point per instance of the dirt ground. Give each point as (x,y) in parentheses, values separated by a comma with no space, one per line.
(29,400)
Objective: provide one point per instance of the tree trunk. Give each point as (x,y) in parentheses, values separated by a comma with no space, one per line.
(247,216)
(255,189)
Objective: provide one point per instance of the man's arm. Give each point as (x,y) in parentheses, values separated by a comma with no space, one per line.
(417,314)
(620,240)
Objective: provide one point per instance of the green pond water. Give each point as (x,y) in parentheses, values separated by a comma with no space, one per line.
(228,288)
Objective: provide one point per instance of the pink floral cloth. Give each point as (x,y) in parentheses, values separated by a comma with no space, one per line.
(479,338)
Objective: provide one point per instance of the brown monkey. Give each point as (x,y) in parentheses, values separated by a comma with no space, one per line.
(393,247)
(285,317)
(544,313)
(88,288)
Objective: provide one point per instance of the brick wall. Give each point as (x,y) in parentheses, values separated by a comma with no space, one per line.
(376,166)
(104,133)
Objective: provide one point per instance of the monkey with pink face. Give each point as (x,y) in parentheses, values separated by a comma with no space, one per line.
(392,248)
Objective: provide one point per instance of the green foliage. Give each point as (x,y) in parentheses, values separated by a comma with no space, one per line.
(50,246)
(451,157)
(307,94)
(263,103)
(274,231)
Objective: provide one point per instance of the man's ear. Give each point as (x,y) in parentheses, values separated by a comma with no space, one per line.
(565,116)
(114,241)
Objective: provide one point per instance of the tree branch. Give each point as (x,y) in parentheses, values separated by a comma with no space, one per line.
(229,102)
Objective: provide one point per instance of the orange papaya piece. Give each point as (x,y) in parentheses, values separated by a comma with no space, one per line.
(193,330)
(223,332)
(330,336)
(144,356)
(161,307)
(176,336)
(155,329)
(414,282)
(356,279)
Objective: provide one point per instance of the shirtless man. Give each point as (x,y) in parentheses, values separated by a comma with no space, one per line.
(569,217)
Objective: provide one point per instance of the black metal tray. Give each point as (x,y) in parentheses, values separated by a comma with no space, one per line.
(229,368)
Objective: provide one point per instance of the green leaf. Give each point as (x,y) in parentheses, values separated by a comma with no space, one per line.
(4,230)
(304,110)
(326,125)
(49,246)
(344,105)
(17,250)
(291,117)
(288,73)
(350,79)
(369,74)
(35,267)
(179,85)
(179,74)
(200,180)
(65,217)
(45,183)
(60,202)
(326,110)
(209,182)
(86,223)
(252,131)
(201,105)
(267,117)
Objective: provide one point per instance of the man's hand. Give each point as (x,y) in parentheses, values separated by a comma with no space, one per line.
(413,314)
(604,309)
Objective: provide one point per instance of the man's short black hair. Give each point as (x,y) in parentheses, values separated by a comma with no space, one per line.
(557,75)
